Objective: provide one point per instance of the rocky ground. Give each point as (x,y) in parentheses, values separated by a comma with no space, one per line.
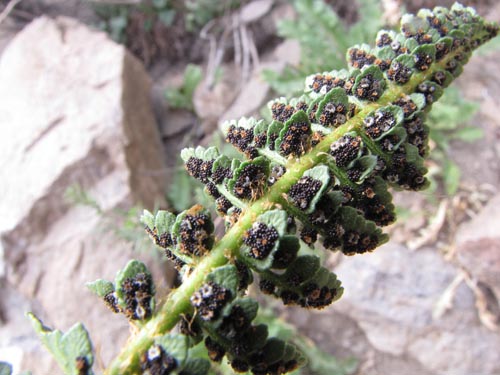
(83,110)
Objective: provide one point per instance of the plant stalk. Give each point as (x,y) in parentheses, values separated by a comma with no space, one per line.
(227,248)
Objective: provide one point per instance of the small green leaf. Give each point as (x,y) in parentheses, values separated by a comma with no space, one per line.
(286,253)
(258,161)
(192,77)
(367,163)
(413,24)
(448,78)
(405,60)
(385,128)
(320,173)
(273,131)
(148,219)
(413,157)
(322,276)
(244,122)
(176,99)
(203,246)
(131,270)
(411,44)
(336,96)
(419,100)
(101,287)
(261,127)
(276,219)
(164,221)
(256,338)
(292,353)
(401,134)
(167,16)
(200,152)
(303,269)
(343,74)
(182,97)
(176,345)
(65,347)
(5,368)
(249,306)
(386,52)
(274,350)
(299,117)
(118,24)
(196,366)
(352,220)
(313,108)
(226,276)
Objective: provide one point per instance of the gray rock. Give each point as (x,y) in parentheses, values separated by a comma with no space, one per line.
(75,109)
(211,102)
(252,95)
(478,245)
(484,225)
(255,92)
(390,295)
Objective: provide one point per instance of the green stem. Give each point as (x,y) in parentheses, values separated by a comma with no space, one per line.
(178,302)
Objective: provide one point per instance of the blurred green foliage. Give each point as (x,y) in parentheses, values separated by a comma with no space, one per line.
(185,191)
(182,97)
(114,18)
(448,121)
(324,39)
(318,361)
(199,12)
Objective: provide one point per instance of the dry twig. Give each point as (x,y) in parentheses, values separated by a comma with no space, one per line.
(8,8)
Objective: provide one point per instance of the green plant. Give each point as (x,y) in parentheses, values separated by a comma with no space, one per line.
(200,12)
(324,40)
(318,173)
(184,192)
(113,20)
(115,17)
(5,368)
(448,122)
(318,28)
(182,97)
